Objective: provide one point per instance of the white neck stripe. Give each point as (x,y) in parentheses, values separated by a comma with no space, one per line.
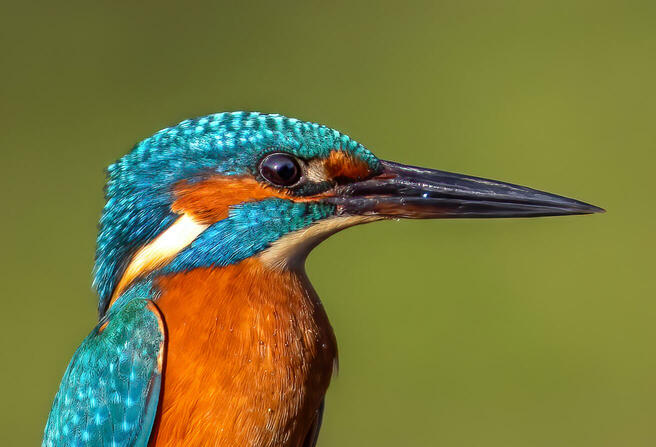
(161,250)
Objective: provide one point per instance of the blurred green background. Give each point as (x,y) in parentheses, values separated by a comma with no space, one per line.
(452,333)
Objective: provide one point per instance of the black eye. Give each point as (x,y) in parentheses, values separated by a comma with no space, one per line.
(280,169)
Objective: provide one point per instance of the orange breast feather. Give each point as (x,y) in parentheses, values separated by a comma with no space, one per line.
(250,353)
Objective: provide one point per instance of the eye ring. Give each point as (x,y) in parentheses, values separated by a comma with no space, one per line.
(280,169)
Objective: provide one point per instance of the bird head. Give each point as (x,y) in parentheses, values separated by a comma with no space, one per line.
(214,191)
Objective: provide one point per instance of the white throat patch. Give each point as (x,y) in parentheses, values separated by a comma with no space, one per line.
(290,251)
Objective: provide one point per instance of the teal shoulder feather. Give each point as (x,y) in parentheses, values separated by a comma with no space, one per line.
(109,393)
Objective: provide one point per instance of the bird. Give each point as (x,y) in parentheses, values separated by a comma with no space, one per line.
(209,331)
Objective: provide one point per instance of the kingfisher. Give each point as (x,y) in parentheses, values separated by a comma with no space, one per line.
(209,331)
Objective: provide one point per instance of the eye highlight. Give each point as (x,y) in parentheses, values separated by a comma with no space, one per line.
(280,169)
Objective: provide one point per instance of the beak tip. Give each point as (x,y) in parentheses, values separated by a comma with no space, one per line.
(591,209)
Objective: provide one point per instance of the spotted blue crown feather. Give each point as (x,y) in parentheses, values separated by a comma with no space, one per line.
(139,189)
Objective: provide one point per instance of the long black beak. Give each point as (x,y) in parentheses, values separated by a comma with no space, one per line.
(420,193)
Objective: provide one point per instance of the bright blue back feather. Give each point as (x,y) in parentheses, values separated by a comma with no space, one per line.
(109,393)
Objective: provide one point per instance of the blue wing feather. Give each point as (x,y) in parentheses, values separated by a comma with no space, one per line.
(109,393)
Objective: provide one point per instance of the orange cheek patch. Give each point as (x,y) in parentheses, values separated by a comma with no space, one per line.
(343,165)
(209,201)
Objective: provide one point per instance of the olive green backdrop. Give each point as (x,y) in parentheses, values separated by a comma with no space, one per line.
(452,333)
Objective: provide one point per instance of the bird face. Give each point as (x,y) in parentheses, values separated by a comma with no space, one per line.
(220,189)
